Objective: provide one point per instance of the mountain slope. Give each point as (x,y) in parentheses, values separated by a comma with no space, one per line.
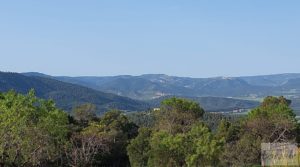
(136,87)
(66,95)
(146,87)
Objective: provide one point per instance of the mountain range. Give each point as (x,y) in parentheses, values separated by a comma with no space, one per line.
(151,86)
(135,93)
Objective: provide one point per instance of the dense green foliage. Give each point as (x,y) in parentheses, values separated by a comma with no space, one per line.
(85,113)
(178,138)
(139,148)
(177,115)
(235,141)
(110,135)
(142,118)
(272,122)
(33,132)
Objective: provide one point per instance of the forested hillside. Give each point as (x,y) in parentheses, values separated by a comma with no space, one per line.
(67,95)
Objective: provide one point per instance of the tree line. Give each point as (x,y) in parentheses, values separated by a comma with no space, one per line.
(34,132)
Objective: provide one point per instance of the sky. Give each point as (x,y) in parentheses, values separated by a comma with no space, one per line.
(193,38)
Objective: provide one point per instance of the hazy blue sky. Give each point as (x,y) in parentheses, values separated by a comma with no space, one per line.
(177,37)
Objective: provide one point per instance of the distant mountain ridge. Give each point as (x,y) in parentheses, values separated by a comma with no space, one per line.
(271,80)
(151,86)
